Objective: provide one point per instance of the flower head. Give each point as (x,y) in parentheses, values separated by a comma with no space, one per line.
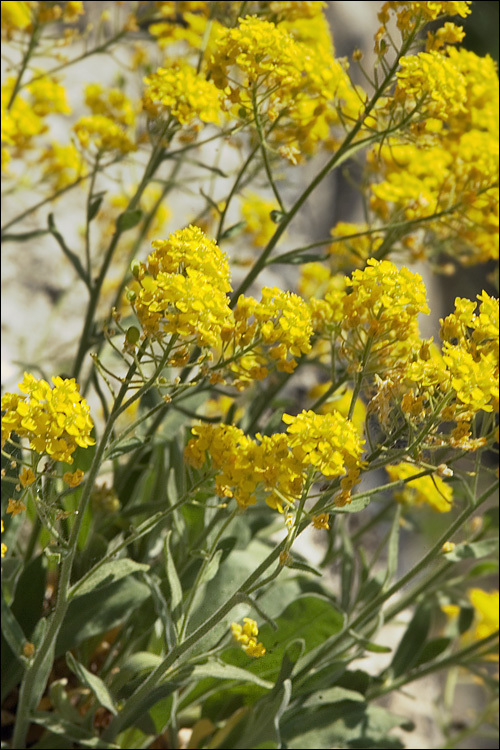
(55,420)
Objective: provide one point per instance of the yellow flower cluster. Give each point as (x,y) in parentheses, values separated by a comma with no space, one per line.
(55,420)
(466,373)
(328,442)
(112,103)
(183,92)
(103,133)
(431,81)
(430,489)
(247,468)
(486,619)
(486,610)
(15,16)
(470,352)
(19,16)
(24,119)
(63,165)
(456,160)
(246,636)
(290,76)
(274,468)
(382,307)
(280,322)
(192,28)
(409,14)
(352,251)
(256,212)
(4,546)
(183,288)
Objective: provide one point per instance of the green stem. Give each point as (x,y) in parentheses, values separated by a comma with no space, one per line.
(373,607)
(35,672)
(96,51)
(233,190)
(263,149)
(138,700)
(154,162)
(446,663)
(359,379)
(199,577)
(29,51)
(345,151)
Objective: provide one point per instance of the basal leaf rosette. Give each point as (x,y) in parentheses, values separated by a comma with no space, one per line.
(54,420)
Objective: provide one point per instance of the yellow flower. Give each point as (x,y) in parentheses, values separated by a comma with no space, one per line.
(183,289)
(428,489)
(246,636)
(448,547)
(182,91)
(15,506)
(63,165)
(27,477)
(48,96)
(15,15)
(486,612)
(55,421)
(104,133)
(321,521)
(281,321)
(73,479)
(327,442)
(111,103)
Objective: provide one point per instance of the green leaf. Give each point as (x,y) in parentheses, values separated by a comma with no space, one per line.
(105,574)
(126,447)
(93,682)
(333,721)
(393,546)
(233,230)
(95,205)
(212,567)
(128,220)
(103,608)
(71,732)
(61,703)
(11,630)
(24,236)
(473,550)
(368,645)
(412,642)
(261,726)
(310,617)
(432,650)
(354,506)
(296,564)
(222,671)
(173,581)
(71,256)
(483,569)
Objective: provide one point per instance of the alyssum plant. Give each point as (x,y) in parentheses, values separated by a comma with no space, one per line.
(153,495)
